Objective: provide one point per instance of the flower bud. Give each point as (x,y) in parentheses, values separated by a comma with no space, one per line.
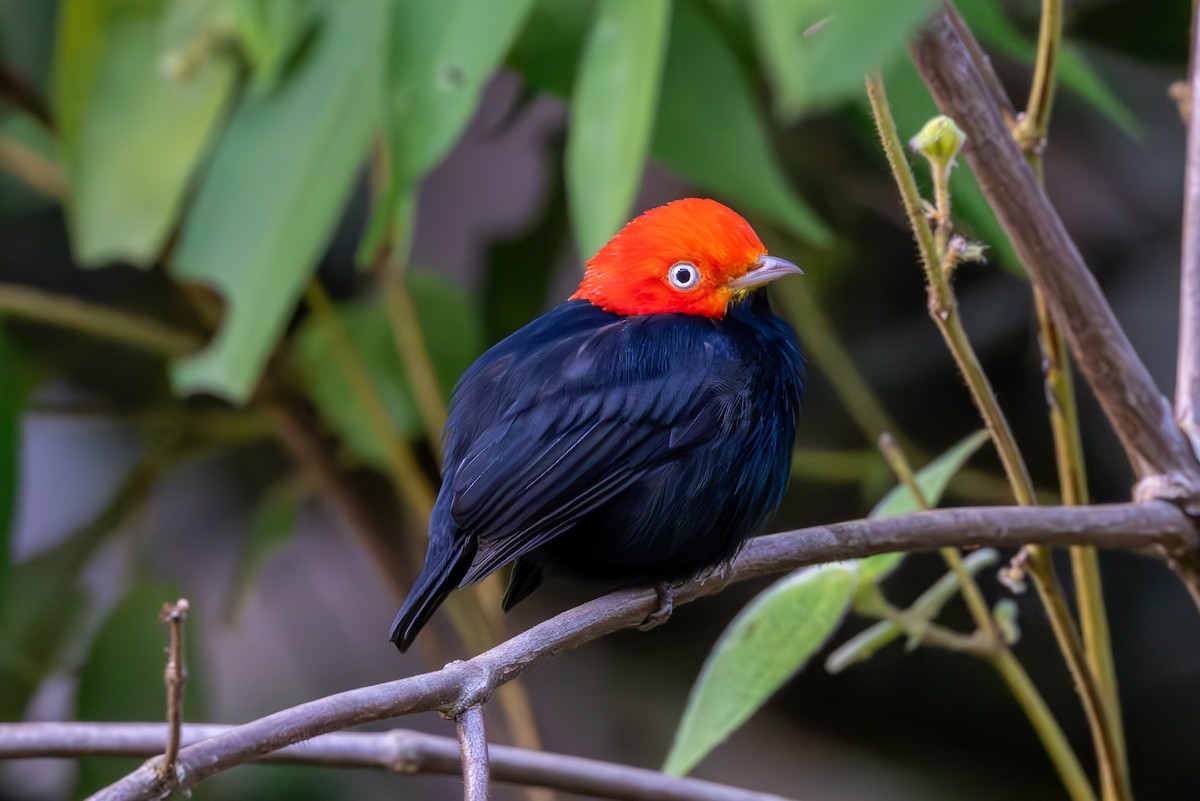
(939,141)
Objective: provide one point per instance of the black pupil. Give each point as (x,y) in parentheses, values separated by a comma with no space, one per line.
(683,275)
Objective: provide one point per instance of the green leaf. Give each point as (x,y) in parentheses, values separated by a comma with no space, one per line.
(442,56)
(547,51)
(266,32)
(320,366)
(275,191)
(731,156)
(269,32)
(991,24)
(817,51)
(932,480)
(451,328)
(766,644)
(131,138)
(612,115)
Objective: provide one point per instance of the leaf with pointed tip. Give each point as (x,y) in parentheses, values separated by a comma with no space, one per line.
(991,24)
(817,51)
(932,480)
(131,137)
(451,326)
(732,157)
(275,192)
(442,56)
(612,115)
(766,644)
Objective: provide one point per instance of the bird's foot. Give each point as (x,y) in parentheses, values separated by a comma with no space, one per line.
(666,605)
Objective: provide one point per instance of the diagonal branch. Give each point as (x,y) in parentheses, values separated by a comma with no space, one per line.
(400,751)
(1138,411)
(461,685)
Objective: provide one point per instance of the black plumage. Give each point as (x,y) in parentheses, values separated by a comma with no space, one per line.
(623,448)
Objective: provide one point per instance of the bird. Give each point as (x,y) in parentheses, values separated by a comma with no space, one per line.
(639,432)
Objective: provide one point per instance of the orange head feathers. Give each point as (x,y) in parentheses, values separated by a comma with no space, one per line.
(691,256)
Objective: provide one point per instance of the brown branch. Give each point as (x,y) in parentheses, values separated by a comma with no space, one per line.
(399,751)
(473,753)
(1138,411)
(300,433)
(175,677)
(1187,379)
(461,685)
(18,93)
(33,169)
(116,325)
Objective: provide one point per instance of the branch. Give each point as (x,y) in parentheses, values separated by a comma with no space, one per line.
(17,92)
(33,169)
(1187,380)
(398,751)
(473,754)
(115,325)
(1138,411)
(460,685)
(175,677)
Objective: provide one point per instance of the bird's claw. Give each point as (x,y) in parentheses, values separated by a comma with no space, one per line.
(666,605)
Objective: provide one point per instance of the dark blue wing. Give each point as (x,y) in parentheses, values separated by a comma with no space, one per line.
(580,406)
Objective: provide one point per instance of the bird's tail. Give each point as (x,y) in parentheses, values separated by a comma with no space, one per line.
(439,577)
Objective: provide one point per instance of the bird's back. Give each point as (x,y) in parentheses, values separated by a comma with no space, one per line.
(692,419)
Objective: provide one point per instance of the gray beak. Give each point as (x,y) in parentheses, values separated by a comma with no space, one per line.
(766,270)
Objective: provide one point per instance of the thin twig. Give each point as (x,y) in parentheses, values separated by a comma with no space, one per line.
(972,595)
(473,750)
(1031,130)
(175,677)
(399,751)
(1137,410)
(1032,135)
(928,606)
(943,307)
(463,684)
(1187,380)
(410,481)
(18,92)
(410,343)
(999,655)
(476,614)
(115,325)
(298,431)
(33,169)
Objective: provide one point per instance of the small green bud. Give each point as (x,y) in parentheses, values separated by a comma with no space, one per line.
(939,141)
(1005,613)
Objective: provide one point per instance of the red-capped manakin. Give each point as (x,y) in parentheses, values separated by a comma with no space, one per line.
(638,432)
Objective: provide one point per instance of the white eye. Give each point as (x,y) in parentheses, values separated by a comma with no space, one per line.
(683,275)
